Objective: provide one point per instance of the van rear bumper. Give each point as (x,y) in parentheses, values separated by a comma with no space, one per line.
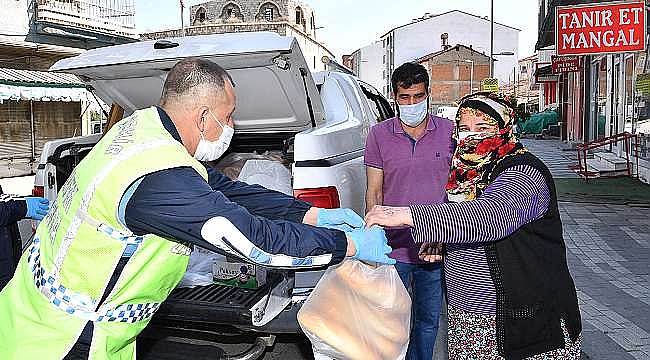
(222,309)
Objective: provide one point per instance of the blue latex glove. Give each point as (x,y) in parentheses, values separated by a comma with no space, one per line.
(371,245)
(37,207)
(340,219)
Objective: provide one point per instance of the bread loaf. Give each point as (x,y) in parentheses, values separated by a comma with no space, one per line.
(385,324)
(381,293)
(388,349)
(362,312)
(336,335)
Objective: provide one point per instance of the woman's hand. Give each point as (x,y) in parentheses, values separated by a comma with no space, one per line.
(430,252)
(388,216)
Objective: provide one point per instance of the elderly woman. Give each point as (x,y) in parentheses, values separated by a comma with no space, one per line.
(509,291)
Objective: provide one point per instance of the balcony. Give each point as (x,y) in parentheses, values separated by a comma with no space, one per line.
(114,17)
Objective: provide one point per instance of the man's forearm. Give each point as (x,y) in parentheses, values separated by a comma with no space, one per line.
(373,198)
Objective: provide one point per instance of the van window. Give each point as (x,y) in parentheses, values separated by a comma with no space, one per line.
(377,102)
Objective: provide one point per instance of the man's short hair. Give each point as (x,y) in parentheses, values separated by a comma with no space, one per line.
(191,77)
(409,74)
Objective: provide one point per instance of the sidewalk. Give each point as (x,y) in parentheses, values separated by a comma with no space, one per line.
(608,250)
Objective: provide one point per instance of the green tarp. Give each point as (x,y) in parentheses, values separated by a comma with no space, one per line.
(539,122)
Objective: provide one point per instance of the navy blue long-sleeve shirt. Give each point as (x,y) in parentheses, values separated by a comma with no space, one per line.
(11,210)
(176,203)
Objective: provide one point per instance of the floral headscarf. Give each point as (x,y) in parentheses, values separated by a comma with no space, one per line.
(477,155)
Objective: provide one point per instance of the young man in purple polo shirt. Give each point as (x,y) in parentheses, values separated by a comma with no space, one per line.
(407,162)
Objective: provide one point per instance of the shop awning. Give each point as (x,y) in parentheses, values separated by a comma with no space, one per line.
(40,86)
(545,74)
(544,71)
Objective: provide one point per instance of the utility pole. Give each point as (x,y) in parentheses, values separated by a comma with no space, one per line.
(182,20)
(491,38)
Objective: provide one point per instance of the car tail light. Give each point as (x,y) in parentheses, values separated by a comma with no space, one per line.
(38,191)
(325,197)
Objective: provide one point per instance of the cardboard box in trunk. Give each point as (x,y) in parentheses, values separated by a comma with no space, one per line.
(236,274)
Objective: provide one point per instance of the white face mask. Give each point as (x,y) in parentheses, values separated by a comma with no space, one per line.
(413,115)
(212,150)
(462,135)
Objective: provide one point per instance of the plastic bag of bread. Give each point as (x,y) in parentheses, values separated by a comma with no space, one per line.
(358,311)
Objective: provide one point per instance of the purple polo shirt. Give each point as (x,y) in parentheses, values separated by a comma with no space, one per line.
(415,172)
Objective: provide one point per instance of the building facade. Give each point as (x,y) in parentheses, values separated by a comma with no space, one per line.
(418,38)
(367,64)
(35,105)
(455,71)
(605,97)
(522,83)
(36,33)
(285,17)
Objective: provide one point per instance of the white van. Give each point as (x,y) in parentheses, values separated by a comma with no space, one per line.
(318,121)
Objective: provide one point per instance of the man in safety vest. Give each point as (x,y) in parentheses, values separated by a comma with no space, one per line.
(117,239)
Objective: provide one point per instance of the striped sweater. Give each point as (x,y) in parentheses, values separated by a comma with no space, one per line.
(518,196)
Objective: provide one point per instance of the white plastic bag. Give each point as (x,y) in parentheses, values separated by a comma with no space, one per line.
(358,311)
(268,173)
(232,164)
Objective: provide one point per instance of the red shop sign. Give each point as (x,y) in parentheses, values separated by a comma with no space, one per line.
(600,28)
(565,64)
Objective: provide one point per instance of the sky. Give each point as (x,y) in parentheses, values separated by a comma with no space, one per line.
(351,24)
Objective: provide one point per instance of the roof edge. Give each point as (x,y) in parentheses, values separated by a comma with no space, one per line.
(445,13)
(437,53)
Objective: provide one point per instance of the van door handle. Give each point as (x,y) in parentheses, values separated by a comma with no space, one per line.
(50,180)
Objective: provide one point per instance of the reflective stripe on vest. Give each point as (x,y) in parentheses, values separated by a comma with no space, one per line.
(78,304)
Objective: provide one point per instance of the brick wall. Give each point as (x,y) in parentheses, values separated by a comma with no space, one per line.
(450,74)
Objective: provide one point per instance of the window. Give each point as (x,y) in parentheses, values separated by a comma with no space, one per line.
(231,11)
(200,15)
(378,105)
(97,127)
(298,16)
(268,14)
(524,69)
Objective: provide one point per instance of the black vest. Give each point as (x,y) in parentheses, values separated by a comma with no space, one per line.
(533,285)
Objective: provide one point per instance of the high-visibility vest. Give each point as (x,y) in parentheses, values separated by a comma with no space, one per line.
(61,278)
